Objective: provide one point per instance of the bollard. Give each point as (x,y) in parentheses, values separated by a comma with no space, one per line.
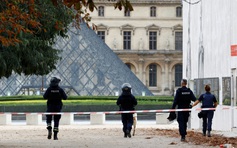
(67,119)
(161,118)
(97,118)
(33,119)
(5,119)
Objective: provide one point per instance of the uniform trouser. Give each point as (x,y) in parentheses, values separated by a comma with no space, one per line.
(183,120)
(127,120)
(207,120)
(55,118)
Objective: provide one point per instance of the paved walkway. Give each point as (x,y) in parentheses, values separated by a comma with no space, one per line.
(82,134)
(140,124)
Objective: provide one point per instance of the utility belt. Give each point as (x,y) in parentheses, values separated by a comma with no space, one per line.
(184,107)
(207,106)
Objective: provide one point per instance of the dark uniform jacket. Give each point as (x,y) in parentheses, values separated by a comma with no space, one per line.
(183,98)
(126,102)
(207,100)
(54,95)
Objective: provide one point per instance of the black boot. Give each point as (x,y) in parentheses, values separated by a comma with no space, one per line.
(55,133)
(209,133)
(183,138)
(128,133)
(125,135)
(49,128)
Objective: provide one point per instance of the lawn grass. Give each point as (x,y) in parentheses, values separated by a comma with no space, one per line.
(83,100)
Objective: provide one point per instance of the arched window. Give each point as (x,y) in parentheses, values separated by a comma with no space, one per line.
(178,11)
(152,75)
(178,74)
(153,11)
(128,65)
(131,67)
(101,11)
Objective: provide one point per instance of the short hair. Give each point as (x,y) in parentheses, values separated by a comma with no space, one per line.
(184,81)
(207,88)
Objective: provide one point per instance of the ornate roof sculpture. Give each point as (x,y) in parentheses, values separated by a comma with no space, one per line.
(88,68)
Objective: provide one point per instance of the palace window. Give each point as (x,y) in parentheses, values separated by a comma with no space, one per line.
(178,11)
(101,11)
(152,40)
(152,75)
(128,65)
(101,34)
(178,40)
(127,13)
(127,40)
(178,74)
(153,11)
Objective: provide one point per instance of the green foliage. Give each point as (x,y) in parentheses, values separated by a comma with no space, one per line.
(20,98)
(226,101)
(84,100)
(36,54)
(127,5)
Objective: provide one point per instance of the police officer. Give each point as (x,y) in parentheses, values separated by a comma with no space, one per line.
(54,95)
(127,102)
(208,101)
(182,99)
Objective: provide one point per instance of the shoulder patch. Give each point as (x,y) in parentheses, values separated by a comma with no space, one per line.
(185,93)
(55,91)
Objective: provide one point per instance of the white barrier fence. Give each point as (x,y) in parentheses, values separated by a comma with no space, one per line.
(225,117)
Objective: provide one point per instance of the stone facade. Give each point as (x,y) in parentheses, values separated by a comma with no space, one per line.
(148,38)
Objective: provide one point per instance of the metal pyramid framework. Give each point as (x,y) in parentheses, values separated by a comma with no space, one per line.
(88,67)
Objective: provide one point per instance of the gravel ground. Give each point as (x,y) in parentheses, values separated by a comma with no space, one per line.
(109,135)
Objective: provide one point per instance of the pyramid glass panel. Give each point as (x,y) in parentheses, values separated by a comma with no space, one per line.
(88,67)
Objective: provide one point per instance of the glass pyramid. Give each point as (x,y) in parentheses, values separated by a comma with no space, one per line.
(88,68)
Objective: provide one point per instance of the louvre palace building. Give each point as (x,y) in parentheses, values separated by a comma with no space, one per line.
(141,47)
(148,40)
